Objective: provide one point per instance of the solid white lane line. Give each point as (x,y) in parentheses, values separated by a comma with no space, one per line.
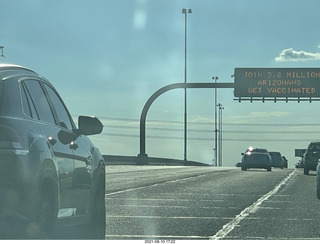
(251,209)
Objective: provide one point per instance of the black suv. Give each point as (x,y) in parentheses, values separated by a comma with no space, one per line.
(51,175)
(311,157)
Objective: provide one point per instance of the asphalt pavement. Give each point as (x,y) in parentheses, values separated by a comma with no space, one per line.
(190,203)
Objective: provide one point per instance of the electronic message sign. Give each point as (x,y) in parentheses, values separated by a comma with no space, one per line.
(277,82)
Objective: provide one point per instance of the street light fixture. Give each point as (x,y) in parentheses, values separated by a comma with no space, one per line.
(1,48)
(185,12)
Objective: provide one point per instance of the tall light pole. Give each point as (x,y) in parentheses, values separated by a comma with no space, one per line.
(215,78)
(220,133)
(185,12)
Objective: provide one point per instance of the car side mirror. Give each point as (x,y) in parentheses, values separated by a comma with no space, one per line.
(89,125)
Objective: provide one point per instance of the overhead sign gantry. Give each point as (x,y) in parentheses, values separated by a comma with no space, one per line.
(253,84)
(274,83)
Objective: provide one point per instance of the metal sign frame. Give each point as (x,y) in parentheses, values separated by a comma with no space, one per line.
(284,83)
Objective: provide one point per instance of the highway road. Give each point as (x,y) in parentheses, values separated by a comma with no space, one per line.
(189,203)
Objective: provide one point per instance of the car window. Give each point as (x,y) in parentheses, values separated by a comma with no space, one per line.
(39,100)
(260,150)
(25,103)
(62,113)
(28,106)
(315,147)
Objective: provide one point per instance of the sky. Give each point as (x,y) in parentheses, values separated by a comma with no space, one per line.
(107,57)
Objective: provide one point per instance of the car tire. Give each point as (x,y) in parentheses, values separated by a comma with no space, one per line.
(97,224)
(243,168)
(318,189)
(45,218)
(269,169)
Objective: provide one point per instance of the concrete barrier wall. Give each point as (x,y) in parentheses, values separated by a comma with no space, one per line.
(133,160)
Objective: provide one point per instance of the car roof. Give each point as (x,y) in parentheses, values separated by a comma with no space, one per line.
(8,66)
(257,153)
(12,70)
(257,149)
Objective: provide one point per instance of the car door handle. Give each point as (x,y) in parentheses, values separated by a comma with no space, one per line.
(89,160)
(52,141)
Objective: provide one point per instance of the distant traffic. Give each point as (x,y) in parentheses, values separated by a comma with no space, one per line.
(310,161)
(262,158)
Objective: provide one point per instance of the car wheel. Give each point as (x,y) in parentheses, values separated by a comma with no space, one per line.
(269,169)
(318,189)
(97,228)
(45,218)
(243,168)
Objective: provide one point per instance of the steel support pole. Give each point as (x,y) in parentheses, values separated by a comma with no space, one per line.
(185,12)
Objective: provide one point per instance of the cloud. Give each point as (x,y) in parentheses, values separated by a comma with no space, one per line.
(292,55)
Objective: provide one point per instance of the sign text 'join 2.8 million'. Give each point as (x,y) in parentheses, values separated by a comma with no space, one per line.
(277,82)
